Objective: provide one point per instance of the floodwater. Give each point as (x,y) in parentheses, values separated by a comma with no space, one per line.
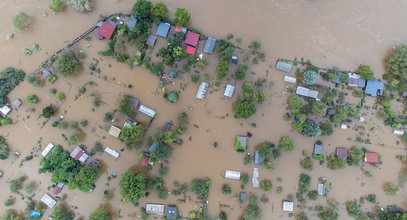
(329,33)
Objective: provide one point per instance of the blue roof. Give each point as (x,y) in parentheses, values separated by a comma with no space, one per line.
(34,214)
(243,196)
(405,93)
(361,83)
(257,159)
(111,22)
(163,29)
(153,146)
(318,149)
(374,88)
(132,23)
(151,40)
(46,74)
(338,77)
(171,212)
(209,45)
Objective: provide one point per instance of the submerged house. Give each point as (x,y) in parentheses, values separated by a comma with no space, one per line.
(146,110)
(106,29)
(17,103)
(234,175)
(172,212)
(209,45)
(202,90)
(321,189)
(47,149)
(342,153)
(355,80)
(229,90)
(58,188)
(374,88)
(163,29)
(155,209)
(290,79)
(241,143)
(79,154)
(371,158)
(288,206)
(255,179)
(4,110)
(257,158)
(151,40)
(132,23)
(283,66)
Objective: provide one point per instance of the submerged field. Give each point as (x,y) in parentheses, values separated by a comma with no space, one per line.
(343,34)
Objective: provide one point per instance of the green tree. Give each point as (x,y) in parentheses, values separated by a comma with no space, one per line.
(132,136)
(60,96)
(312,129)
(31,99)
(3,149)
(48,111)
(5,121)
(266,151)
(200,187)
(240,73)
(391,189)
(141,10)
(244,109)
(397,67)
(56,5)
(313,195)
(319,108)
(253,211)
(100,214)
(172,97)
(331,75)
(21,21)
(336,163)
(159,10)
(353,209)
(286,144)
(67,64)
(161,153)
(10,215)
(133,186)
(295,103)
(326,129)
(226,189)
(9,79)
(356,155)
(222,69)
(245,179)
(157,69)
(307,164)
(73,139)
(182,17)
(310,77)
(339,116)
(366,72)
(266,185)
(222,216)
(61,213)
(81,5)
(125,106)
(255,45)
(85,178)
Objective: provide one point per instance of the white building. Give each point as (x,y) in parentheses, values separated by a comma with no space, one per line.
(202,90)
(229,91)
(255,179)
(290,79)
(47,149)
(288,206)
(4,110)
(307,92)
(234,175)
(146,110)
(112,152)
(114,131)
(48,200)
(155,209)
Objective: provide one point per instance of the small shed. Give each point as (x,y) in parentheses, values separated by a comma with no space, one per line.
(4,110)
(155,209)
(371,157)
(353,79)
(144,162)
(48,200)
(234,175)
(146,110)
(151,40)
(229,90)
(192,38)
(342,153)
(235,60)
(106,30)
(398,132)
(17,103)
(318,149)
(132,23)
(209,45)
(257,159)
(288,206)
(153,146)
(180,29)
(163,29)
(134,102)
(331,110)
(290,79)
(46,74)
(112,152)
(79,154)
(171,212)
(374,88)
(255,179)
(190,50)
(114,131)
(202,90)
(321,189)
(47,149)
(95,163)
(58,188)
(283,66)
(243,196)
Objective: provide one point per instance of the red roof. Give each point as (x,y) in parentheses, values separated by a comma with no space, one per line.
(144,163)
(191,50)
(56,190)
(192,38)
(178,29)
(106,30)
(77,156)
(371,157)
(97,35)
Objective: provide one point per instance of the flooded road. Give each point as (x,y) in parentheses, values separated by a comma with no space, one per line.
(329,33)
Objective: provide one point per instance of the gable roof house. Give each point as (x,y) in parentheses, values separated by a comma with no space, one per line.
(171,212)
(163,29)
(356,81)
(112,152)
(106,29)
(209,45)
(151,40)
(318,149)
(342,153)
(4,110)
(234,175)
(229,90)
(79,155)
(48,200)
(192,38)
(283,66)
(288,206)
(374,88)
(371,157)
(114,131)
(155,209)
(202,90)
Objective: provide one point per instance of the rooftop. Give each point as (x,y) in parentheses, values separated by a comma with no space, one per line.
(209,45)
(192,38)
(283,66)
(132,23)
(374,88)
(106,30)
(190,50)
(342,152)
(371,157)
(151,40)
(318,149)
(114,131)
(163,29)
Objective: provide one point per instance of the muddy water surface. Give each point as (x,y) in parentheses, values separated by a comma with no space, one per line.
(330,33)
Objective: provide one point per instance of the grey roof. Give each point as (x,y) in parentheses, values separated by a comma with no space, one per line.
(283,66)
(338,77)
(132,23)
(46,74)
(151,40)
(361,83)
(153,146)
(163,29)
(167,126)
(111,22)
(257,159)
(318,149)
(374,88)
(405,93)
(243,196)
(307,92)
(17,103)
(235,59)
(209,45)
(332,110)
(243,139)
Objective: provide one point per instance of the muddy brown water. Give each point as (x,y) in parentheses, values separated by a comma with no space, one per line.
(329,33)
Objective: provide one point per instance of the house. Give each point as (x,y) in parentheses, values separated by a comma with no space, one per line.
(163,29)
(97,35)
(48,200)
(283,66)
(288,206)
(57,189)
(321,189)
(344,126)
(229,91)
(172,212)
(114,131)
(153,146)
(202,90)
(307,92)
(192,38)
(398,132)
(167,126)
(47,149)
(257,159)
(4,110)
(107,29)
(235,60)
(243,196)
(146,110)
(404,94)
(190,50)
(112,152)
(241,143)
(180,29)
(374,88)
(46,74)
(79,154)
(17,103)
(151,40)
(331,110)
(234,175)
(134,102)
(95,163)
(371,157)
(339,78)
(255,179)
(155,209)
(209,45)
(144,162)
(355,80)
(132,23)
(318,149)
(290,79)
(342,153)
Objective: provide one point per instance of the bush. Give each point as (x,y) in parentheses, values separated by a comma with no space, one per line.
(307,164)
(244,179)
(9,202)
(253,211)
(319,108)
(286,144)
(157,69)
(397,68)
(326,129)
(195,78)
(31,99)
(182,17)
(67,64)
(244,109)
(226,189)
(172,97)
(255,45)
(61,213)
(159,10)
(56,5)
(21,21)
(222,216)
(48,111)
(60,96)
(312,129)
(100,214)
(73,139)
(310,77)
(222,69)
(81,5)
(240,73)
(353,209)
(313,195)
(295,103)
(266,185)
(356,155)
(3,149)
(133,186)
(5,121)
(10,78)
(125,106)
(366,72)
(391,189)
(84,123)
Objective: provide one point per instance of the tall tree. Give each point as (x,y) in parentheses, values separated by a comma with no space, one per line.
(133,186)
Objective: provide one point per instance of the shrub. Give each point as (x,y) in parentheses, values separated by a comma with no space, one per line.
(56,5)
(84,123)
(53,91)
(266,185)
(336,163)
(307,164)
(100,214)
(253,211)
(195,78)
(159,10)
(182,17)
(391,189)
(3,149)
(21,21)
(222,216)
(331,75)
(319,108)
(48,111)
(73,139)
(286,144)
(353,209)
(172,97)
(244,109)
(240,73)
(226,189)
(222,69)
(67,64)
(5,121)
(157,68)
(255,45)
(295,103)
(312,129)
(366,72)
(81,5)
(356,155)
(313,195)
(60,96)
(326,129)
(31,99)
(397,68)
(244,179)
(310,77)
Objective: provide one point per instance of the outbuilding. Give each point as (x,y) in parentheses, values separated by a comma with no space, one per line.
(283,66)
(114,131)
(307,92)
(371,157)
(155,209)
(146,110)
(151,40)
(131,24)
(47,149)
(112,152)
(255,179)
(163,29)
(17,103)
(172,212)
(234,175)
(192,38)
(229,90)
(318,150)
(257,158)
(209,45)
(202,90)
(58,188)
(48,200)
(288,206)
(374,88)
(290,79)
(398,132)
(190,50)
(79,154)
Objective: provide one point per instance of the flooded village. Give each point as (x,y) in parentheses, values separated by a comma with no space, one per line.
(132,109)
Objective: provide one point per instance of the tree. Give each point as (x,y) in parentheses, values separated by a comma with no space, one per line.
(3,149)
(141,10)
(85,178)
(391,189)
(67,64)
(10,78)
(172,97)
(31,99)
(266,151)
(125,106)
(60,96)
(200,187)
(310,77)
(331,75)
(73,139)
(313,195)
(133,186)
(222,216)
(226,189)
(61,213)
(311,129)
(5,121)
(339,116)
(319,108)
(253,210)
(100,214)
(222,69)
(255,45)
(48,111)
(397,66)
(244,109)
(132,136)
(336,163)
(295,103)
(157,69)
(353,209)
(366,72)
(326,129)
(21,21)
(240,73)
(182,17)
(161,153)
(56,5)
(356,155)
(266,185)
(286,144)
(10,215)
(307,164)
(81,5)
(159,10)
